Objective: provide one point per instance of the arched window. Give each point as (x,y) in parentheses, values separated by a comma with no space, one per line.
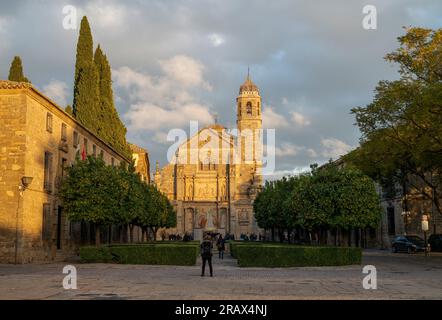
(249,108)
(258,110)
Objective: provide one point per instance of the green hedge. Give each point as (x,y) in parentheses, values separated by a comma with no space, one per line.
(193,242)
(233,244)
(273,256)
(152,254)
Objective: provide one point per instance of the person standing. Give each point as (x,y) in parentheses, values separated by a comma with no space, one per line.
(206,255)
(221,245)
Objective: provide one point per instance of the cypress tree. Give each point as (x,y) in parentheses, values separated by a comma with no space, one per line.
(86,92)
(68,109)
(16,71)
(111,127)
(87,98)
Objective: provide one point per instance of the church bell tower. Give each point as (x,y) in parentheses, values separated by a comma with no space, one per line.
(249,121)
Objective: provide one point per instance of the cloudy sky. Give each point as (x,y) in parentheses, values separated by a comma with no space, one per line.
(176,61)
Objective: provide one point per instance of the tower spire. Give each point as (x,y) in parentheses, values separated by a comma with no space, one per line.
(248,72)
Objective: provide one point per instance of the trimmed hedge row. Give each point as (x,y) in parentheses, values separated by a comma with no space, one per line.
(274,256)
(193,242)
(152,254)
(233,244)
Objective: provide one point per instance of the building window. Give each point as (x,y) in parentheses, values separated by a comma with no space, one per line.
(46,232)
(64,165)
(112,161)
(49,122)
(258,109)
(48,172)
(94,150)
(64,132)
(249,108)
(102,154)
(76,141)
(85,146)
(391,222)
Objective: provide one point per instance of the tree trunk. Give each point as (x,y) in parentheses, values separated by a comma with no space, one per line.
(131,233)
(97,236)
(273,234)
(122,230)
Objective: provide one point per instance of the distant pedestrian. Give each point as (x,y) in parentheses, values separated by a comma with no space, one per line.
(221,245)
(206,255)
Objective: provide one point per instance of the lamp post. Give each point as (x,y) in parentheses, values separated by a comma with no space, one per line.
(25,182)
(425,229)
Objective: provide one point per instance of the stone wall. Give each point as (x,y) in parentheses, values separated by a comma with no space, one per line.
(24,140)
(12,168)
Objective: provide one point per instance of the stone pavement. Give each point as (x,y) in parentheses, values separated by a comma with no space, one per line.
(400,276)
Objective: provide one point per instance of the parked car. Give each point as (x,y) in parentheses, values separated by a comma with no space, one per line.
(435,240)
(409,244)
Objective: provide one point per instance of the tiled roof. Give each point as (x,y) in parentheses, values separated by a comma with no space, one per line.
(6,84)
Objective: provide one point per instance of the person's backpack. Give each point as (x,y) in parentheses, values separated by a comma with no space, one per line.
(206,249)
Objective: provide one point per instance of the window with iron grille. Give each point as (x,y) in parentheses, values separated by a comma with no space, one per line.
(64,132)
(49,122)
(48,172)
(46,231)
(76,141)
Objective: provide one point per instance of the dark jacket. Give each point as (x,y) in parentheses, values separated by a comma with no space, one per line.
(221,244)
(205,246)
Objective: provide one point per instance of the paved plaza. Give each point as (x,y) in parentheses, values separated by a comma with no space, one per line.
(400,276)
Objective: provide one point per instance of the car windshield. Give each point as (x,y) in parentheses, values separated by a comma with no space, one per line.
(415,239)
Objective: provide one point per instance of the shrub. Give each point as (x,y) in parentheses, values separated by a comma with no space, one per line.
(152,254)
(250,255)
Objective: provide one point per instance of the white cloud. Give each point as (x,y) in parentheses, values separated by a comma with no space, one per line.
(147,116)
(106,14)
(299,119)
(216,39)
(311,153)
(167,101)
(287,149)
(278,174)
(57,91)
(185,70)
(273,120)
(334,148)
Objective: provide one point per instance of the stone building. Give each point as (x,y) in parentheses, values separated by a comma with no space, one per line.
(215,175)
(38,140)
(141,162)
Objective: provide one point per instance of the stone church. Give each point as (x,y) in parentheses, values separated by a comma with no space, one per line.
(216,174)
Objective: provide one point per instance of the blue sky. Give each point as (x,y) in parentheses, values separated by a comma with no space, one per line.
(175,61)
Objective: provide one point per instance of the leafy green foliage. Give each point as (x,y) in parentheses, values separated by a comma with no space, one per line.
(402,127)
(16,71)
(106,195)
(333,197)
(328,197)
(274,256)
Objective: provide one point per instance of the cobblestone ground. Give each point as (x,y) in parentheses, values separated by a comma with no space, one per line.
(400,276)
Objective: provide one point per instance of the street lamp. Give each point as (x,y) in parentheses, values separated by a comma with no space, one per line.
(425,229)
(25,182)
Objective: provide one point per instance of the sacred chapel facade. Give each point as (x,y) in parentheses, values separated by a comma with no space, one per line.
(216,175)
